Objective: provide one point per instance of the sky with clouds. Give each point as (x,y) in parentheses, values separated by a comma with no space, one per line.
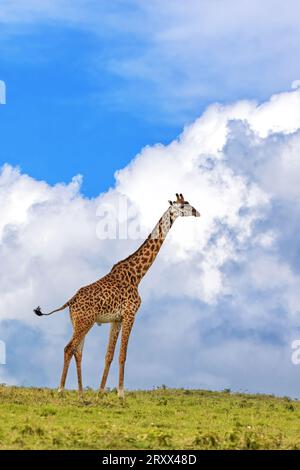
(112,107)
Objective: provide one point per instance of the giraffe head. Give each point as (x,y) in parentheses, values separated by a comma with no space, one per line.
(182,208)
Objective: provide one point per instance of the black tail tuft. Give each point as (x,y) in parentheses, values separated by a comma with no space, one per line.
(38,311)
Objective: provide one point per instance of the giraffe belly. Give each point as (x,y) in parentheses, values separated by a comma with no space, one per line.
(107,317)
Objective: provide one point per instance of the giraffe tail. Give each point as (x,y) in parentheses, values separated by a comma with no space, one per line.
(39,312)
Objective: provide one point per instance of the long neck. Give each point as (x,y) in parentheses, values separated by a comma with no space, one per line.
(141,260)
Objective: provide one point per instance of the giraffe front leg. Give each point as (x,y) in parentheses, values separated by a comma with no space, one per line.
(126,330)
(113,337)
(78,359)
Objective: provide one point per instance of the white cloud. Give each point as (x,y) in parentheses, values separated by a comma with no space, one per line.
(221,274)
(269,274)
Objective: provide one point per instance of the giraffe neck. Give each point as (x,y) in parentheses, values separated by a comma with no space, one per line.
(140,261)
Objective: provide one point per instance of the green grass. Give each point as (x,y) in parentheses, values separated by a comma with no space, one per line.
(33,418)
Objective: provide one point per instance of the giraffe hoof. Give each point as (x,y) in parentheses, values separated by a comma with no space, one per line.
(60,391)
(121,394)
(101,392)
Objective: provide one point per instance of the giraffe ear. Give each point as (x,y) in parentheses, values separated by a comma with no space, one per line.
(171,203)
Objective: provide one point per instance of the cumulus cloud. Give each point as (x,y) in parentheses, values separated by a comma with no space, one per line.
(224,286)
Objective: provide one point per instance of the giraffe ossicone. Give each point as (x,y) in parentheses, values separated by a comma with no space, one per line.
(115,298)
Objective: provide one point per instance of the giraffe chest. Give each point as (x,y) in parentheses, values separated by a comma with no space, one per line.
(109,308)
(109,315)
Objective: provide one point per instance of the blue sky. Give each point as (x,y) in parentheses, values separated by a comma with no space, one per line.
(91,85)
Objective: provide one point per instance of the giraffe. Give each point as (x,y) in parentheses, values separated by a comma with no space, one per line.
(115,299)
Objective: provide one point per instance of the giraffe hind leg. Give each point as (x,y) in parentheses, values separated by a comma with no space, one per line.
(68,353)
(74,347)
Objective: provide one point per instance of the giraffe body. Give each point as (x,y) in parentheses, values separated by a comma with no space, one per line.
(104,301)
(115,299)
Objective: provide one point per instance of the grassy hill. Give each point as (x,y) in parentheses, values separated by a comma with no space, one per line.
(158,419)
